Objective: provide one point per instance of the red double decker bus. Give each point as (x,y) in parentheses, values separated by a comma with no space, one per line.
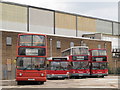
(79,57)
(31,58)
(99,61)
(58,67)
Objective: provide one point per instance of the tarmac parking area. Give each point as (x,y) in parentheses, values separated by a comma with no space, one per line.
(106,82)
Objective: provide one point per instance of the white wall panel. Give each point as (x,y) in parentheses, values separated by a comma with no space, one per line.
(115,28)
(66,32)
(41,21)
(104,26)
(15,26)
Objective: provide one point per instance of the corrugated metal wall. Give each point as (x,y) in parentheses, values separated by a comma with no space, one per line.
(85,25)
(115,28)
(65,24)
(41,21)
(1,56)
(104,26)
(18,18)
(13,17)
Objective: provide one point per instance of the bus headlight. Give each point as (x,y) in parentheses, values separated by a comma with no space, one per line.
(20,74)
(42,74)
(52,74)
(67,73)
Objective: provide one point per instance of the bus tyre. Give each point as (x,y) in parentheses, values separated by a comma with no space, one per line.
(40,83)
(80,77)
(102,76)
(19,83)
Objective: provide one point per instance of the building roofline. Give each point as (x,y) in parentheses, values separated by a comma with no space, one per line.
(74,37)
(24,5)
(100,33)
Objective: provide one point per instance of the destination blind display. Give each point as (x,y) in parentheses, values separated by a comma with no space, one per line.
(99,58)
(59,59)
(32,51)
(79,57)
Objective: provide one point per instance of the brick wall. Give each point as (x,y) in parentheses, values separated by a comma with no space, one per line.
(9,52)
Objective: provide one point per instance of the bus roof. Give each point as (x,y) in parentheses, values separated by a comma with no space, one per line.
(75,47)
(31,34)
(98,49)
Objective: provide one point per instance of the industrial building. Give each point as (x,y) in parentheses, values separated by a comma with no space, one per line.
(63,30)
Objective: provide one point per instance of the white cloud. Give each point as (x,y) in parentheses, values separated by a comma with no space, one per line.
(110,13)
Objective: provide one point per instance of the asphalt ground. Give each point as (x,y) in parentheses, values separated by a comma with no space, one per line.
(106,82)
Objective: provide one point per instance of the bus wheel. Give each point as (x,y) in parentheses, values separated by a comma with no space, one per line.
(19,83)
(40,83)
(80,77)
(102,76)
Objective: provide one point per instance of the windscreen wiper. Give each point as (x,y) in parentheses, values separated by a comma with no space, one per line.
(37,69)
(57,69)
(27,67)
(63,68)
(78,68)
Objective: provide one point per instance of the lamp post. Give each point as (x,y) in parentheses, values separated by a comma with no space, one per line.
(50,47)
(105,45)
(81,43)
(115,66)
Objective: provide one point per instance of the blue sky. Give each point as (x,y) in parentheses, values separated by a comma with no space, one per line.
(105,9)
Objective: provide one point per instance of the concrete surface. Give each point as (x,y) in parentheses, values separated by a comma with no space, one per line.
(106,82)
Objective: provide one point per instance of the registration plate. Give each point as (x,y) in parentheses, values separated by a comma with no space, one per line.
(59,76)
(31,79)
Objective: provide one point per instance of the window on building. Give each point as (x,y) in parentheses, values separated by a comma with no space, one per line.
(71,44)
(99,46)
(105,45)
(92,37)
(81,42)
(84,44)
(113,54)
(58,44)
(118,50)
(8,41)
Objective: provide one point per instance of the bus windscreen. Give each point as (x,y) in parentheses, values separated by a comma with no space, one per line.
(58,65)
(99,65)
(30,63)
(80,51)
(80,65)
